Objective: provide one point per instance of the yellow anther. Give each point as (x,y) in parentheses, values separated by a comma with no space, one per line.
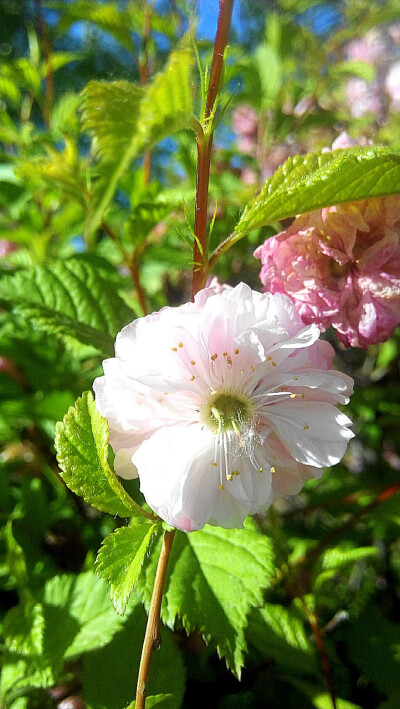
(174,349)
(214,357)
(305,427)
(228,359)
(242,371)
(260,470)
(192,378)
(272,469)
(236,472)
(273,364)
(253,369)
(229,476)
(295,379)
(214,465)
(222,487)
(192,361)
(180,344)
(293,396)
(236,351)
(269,359)
(224,354)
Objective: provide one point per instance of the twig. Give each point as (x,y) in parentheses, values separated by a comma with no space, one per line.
(131,262)
(152,639)
(312,619)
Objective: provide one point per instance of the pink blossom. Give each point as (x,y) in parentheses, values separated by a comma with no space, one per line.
(368,50)
(343,140)
(392,84)
(245,125)
(7,247)
(341,266)
(362,98)
(222,405)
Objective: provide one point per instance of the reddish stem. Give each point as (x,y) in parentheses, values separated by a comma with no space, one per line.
(312,619)
(204,146)
(132,263)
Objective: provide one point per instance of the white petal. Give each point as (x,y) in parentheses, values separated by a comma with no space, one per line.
(181,482)
(314,433)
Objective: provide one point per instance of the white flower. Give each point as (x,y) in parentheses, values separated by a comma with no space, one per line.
(222,405)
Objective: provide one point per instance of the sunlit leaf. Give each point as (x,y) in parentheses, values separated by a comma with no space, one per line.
(82,452)
(307,182)
(121,558)
(68,298)
(215,577)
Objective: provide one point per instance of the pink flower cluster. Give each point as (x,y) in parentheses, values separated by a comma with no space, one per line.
(341,267)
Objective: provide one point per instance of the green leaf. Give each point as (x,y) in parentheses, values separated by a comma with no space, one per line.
(109,675)
(15,558)
(337,558)
(307,182)
(320,699)
(111,113)
(78,611)
(373,643)
(82,452)
(214,578)
(74,616)
(25,663)
(69,298)
(127,120)
(155,701)
(60,169)
(121,558)
(108,17)
(278,633)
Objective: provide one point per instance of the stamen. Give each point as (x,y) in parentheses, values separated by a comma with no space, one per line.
(180,344)
(214,357)
(272,469)
(174,349)
(305,427)
(222,486)
(236,351)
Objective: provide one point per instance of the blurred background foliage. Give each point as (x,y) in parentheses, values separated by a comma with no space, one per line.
(297,75)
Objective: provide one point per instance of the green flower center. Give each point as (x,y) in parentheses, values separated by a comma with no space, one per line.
(227,412)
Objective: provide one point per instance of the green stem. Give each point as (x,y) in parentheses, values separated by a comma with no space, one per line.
(152,639)
(204,147)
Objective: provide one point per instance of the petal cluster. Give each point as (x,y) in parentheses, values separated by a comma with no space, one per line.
(222,405)
(341,267)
